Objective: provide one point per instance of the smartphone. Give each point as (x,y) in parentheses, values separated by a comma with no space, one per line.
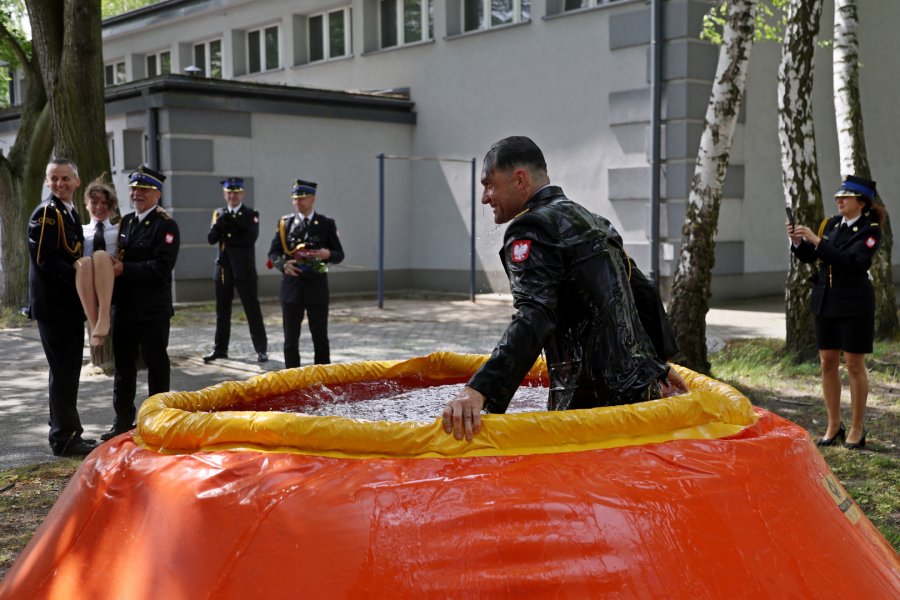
(790,215)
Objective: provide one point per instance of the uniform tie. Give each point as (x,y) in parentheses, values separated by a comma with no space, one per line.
(300,228)
(99,240)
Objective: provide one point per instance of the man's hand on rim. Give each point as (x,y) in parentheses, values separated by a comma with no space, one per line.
(462,415)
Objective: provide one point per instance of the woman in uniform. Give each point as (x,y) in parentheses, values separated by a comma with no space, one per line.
(94,271)
(843,300)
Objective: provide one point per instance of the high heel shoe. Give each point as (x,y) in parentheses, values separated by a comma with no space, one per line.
(857,445)
(841,433)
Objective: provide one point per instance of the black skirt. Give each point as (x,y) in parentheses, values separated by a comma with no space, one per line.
(850,334)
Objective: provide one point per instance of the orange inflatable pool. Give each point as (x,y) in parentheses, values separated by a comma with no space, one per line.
(697,496)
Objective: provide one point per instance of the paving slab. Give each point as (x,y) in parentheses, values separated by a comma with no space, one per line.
(358,329)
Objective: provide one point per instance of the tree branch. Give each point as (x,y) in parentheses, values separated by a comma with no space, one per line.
(18,50)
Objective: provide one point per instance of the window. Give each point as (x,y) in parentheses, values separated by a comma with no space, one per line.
(114,73)
(262,49)
(502,12)
(208,58)
(405,22)
(329,35)
(159,64)
(111,147)
(555,7)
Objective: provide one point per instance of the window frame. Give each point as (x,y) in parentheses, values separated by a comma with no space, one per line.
(264,66)
(326,35)
(116,73)
(207,57)
(426,23)
(156,57)
(487,18)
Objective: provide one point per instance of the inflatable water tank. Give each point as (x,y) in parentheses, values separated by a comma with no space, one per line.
(696,496)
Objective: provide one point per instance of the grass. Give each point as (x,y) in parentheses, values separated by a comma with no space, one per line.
(757,367)
(760,369)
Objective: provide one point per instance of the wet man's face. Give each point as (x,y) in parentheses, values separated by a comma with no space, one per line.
(62,181)
(503,192)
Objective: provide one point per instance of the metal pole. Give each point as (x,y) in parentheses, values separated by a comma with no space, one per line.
(472,249)
(153,138)
(655,133)
(381,230)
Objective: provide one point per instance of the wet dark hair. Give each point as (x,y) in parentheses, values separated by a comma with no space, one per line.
(98,187)
(515,152)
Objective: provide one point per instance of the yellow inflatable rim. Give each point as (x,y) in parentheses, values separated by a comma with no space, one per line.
(187,422)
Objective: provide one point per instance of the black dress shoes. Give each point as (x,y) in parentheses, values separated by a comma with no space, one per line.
(857,445)
(211,357)
(75,447)
(114,431)
(841,433)
(262,357)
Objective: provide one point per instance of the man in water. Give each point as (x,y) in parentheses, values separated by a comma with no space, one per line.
(569,277)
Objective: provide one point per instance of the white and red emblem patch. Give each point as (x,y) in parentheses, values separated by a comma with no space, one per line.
(520,250)
(170,237)
(871,242)
(256,218)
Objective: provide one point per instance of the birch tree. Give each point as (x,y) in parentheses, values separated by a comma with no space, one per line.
(853,158)
(691,286)
(800,176)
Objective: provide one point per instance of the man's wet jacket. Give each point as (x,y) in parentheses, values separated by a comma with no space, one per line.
(569,279)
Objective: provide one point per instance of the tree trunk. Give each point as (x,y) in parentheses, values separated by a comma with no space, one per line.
(855,161)
(691,287)
(68,44)
(21,179)
(798,161)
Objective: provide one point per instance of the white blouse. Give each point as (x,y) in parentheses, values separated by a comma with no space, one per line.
(110,235)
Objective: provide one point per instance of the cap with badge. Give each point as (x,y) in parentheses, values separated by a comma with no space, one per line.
(233,184)
(303,188)
(856,186)
(147,178)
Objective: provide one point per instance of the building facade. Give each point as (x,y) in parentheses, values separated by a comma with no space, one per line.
(315,89)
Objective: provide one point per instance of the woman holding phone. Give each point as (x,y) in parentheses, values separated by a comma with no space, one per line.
(843,300)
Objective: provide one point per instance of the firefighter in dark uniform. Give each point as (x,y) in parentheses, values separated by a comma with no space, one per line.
(305,243)
(54,244)
(142,296)
(571,284)
(843,300)
(234,230)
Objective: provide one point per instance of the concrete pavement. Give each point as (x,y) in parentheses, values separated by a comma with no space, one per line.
(358,330)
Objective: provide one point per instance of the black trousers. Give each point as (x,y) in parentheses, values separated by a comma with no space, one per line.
(150,338)
(292,316)
(246,289)
(63,343)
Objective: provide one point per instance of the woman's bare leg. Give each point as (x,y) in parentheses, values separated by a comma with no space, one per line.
(859,393)
(831,389)
(103,284)
(84,283)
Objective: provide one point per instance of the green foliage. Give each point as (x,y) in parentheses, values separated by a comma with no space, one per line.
(771,17)
(111,8)
(12,20)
